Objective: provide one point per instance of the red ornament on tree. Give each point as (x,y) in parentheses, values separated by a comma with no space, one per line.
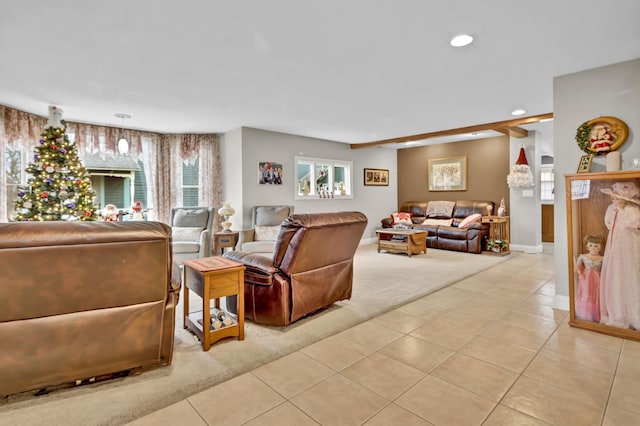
(87,213)
(45,194)
(54,146)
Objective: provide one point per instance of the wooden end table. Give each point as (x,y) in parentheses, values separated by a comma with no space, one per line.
(413,241)
(498,230)
(222,240)
(213,278)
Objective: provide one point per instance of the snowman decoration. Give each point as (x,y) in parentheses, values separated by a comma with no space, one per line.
(137,211)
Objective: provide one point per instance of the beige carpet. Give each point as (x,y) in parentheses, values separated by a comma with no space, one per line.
(382,281)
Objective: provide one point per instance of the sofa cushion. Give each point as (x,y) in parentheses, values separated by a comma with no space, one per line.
(185,233)
(440,209)
(401,218)
(266,233)
(435,222)
(191,218)
(472,218)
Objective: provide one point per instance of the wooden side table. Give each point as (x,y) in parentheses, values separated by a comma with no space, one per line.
(224,239)
(213,278)
(499,229)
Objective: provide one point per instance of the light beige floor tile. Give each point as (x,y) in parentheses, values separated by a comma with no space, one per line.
(573,351)
(573,377)
(551,403)
(394,415)
(400,321)
(590,338)
(484,379)
(336,352)
(442,403)
(371,335)
(178,414)
(417,353)
(243,398)
(283,415)
(618,417)
(625,395)
(489,311)
(293,373)
(420,308)
(530,322)
(539,299)
(505,416)
(505,332)
(631,348)
(453,330)
(548,289)
(502,354)
(339,401)
(629,368)
(449,297)
(383,375)
(474,284)
(514,297)
(544,311)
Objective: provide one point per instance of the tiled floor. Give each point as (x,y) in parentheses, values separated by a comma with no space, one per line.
(489,350)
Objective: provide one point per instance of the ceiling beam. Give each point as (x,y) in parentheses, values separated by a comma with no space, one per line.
(460,130)
(514,131)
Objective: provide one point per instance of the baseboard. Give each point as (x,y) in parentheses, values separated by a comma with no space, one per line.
(368,240)
(526,249)
(561,302)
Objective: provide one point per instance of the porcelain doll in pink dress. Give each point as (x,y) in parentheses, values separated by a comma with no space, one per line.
(588,265)
(620,275)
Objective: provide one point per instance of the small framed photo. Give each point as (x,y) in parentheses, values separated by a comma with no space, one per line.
(376,177)
(585,163)
(270,173)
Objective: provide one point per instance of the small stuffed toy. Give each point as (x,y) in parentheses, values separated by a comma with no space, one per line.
(137,211)
(110,213)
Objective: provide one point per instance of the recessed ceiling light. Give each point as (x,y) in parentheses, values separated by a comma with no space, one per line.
(461,40)
(518,112)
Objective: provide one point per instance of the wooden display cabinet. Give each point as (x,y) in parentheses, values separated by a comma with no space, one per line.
(603,226)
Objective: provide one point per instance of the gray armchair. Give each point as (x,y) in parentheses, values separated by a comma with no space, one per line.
(265,225)
(191,232)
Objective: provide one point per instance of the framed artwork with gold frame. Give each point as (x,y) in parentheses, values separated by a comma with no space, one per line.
(603,226)
(584,166)
(448,174)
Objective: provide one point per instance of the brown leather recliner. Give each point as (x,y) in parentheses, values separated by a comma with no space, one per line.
(83,300)
(311,268)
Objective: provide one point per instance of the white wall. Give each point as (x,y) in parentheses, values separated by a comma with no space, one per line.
(613,90)
(259,145)
(526,216)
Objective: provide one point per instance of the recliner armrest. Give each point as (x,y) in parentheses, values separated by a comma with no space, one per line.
(254,261)
(245,236)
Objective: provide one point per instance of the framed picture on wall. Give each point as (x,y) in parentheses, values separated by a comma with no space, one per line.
(270,173)
(584,166)
(603,222)
(376,177)
(448,174)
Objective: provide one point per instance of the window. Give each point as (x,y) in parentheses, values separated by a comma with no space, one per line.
(140,186)
(546,183)
(15,176)
(321,178)
(190,188)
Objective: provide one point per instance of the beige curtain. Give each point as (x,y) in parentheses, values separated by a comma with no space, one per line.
(162,156)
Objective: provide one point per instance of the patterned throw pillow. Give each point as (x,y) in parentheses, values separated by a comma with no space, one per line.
(185,233)
(402,217)
(266,233)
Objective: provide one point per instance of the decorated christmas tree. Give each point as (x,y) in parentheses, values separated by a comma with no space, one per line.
(59,187)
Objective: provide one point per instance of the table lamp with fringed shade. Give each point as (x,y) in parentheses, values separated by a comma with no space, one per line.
(227,211)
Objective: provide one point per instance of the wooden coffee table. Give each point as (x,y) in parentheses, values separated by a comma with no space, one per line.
(410,241)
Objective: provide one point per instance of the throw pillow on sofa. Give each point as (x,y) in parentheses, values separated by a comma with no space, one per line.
(440,209)
(401,218)
(266,233)
(438,222)
(472,218)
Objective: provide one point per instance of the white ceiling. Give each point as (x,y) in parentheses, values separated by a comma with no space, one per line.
(349,70)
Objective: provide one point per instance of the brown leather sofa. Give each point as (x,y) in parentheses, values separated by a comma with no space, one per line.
(83,300)
(449,237)
(311,267)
